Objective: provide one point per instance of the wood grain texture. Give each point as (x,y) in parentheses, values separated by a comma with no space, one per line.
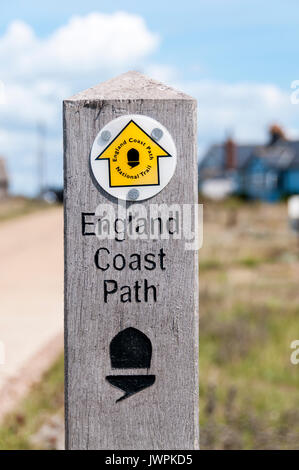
(165,415)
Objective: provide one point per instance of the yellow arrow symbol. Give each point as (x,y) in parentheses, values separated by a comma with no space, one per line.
(133,158)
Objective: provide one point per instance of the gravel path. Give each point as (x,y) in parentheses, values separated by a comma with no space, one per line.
(31,306)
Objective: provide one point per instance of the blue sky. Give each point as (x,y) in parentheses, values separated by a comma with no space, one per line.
(237,57)
(220,39)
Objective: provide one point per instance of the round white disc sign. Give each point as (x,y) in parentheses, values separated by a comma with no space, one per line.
(133,157)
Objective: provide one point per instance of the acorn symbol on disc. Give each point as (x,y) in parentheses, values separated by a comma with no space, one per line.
(133,157)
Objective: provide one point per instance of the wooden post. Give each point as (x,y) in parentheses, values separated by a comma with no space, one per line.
(109,332)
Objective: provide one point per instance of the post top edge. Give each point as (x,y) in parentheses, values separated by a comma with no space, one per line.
(130,85)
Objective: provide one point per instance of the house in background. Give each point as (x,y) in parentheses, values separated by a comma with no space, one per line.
(268,172)
(220,169)
(3,180)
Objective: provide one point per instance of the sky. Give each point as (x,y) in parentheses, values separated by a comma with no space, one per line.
(238,58)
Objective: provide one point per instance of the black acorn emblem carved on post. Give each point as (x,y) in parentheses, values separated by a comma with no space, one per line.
(130,349)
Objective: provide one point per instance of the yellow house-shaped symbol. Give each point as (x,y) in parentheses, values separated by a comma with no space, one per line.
(133,158)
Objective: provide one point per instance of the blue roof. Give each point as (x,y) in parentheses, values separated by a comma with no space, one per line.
(281,155)
(216,156)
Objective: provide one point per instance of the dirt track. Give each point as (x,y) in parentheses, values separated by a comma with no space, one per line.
(31,291)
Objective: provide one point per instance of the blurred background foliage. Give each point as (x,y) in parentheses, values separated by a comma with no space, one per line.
(249,315)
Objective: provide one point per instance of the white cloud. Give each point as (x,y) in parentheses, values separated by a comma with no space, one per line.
(26,104)
(243,109)
(93,43)
(39,72)
(161,72)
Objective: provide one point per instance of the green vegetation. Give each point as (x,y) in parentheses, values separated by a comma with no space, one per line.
(209,264)
(249,317)
(19,206)
(45,399)
(250,261)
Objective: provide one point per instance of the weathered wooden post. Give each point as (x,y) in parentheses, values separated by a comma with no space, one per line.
(131,267)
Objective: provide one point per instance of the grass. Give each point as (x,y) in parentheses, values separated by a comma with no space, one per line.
(249,317)
(250,261)
(45,399)
(19,206)
(209,264)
